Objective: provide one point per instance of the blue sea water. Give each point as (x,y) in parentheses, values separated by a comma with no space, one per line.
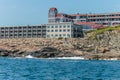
(54,69)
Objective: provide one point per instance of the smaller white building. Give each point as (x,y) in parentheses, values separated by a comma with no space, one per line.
(64,30)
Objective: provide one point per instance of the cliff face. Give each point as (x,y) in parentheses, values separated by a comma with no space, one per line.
(105,45)
(110,40)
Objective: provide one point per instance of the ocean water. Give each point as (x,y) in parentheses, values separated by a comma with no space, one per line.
(54,69)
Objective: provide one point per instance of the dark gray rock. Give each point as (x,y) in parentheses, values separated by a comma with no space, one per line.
(4,53)
(46,52)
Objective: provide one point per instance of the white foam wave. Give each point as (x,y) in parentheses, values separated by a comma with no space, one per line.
(75,58)
(29,56)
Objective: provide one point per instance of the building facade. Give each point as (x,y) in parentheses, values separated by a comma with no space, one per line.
(64,30)
(23,32)
(107,19)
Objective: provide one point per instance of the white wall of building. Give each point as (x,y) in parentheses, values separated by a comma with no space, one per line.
(64,30)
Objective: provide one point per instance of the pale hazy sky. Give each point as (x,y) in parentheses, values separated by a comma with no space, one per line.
(35,12)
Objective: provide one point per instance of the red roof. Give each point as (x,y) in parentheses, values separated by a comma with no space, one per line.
(91,24)
(59,14)
(78,14)
(53,8)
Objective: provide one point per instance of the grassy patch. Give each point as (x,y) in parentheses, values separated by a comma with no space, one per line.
(86,32)
(60,38)
(101,31)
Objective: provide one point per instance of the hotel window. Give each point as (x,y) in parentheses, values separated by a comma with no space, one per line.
(48,35)
(34,30)
(64,30)
(24,27)
(6,28)
(60,30)
(39,26)
(15,34)
(29,30)
(11,31)
(68,30)
(64,26)
(48,30)
(56,26)
(11,27)
(15,28)
(20,27)
(34,27)
(52,35)
(74,17)
(20,31)
(52,30)
(15,31)
(60,35)
(68,26)
(48,26)
(39,30)
(6,31)
(56,30)
(2,31)
(2,28)
(19,34)
(56,35)
(52,26)
(39,34)
(60,26)
(6,35)
(68,35)
(11,35)
(64,34)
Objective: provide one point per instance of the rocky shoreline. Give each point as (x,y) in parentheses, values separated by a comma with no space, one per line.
(105,46)
(36,47)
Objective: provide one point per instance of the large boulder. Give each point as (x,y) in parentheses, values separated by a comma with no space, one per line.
(4,53)
(46,52)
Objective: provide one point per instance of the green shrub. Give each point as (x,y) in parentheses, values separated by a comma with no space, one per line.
(60,38)
(102,30)
(86,32)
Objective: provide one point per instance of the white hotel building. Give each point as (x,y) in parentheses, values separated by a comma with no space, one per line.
(64,30)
